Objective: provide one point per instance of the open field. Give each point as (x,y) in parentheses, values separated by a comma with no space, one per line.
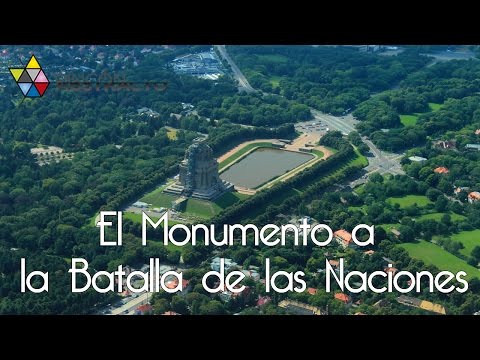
(469,239)
(438,217)
(158,198)
(408,120)
(207,209)
(435,106)
(411,120)
(433,254)
(409,200)
(171,133)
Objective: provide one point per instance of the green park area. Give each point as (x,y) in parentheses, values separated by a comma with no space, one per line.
(409,200)
(275,81)
(171,133)
(196,207)
(411,120)
(243,151)
(469,239)
(207,209)
(433,254)
(437,216)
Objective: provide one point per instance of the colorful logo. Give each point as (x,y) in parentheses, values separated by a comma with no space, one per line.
(31,79)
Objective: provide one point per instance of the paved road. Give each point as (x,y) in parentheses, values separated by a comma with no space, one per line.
(243,83)
(381,161)
(129,307)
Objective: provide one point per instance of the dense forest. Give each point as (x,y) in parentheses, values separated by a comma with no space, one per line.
(119,153)
(332,79)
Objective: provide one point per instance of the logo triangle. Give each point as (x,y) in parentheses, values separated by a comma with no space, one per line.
(41,77)
(25,87)
(41,87)
(33,92)
(33,63)
(16,73)
(33,73)
(24,78)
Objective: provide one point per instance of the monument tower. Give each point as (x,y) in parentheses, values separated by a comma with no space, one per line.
(198,177)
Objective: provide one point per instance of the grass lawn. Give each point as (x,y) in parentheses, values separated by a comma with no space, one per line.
(409,200)
(362,208)
(318,153)
(389,227)
(435,106)
(243,151)
(275,81)
(411,120)
(408,120)
(359,160)
(172,133)
(469,239)
(207,209)
(435,255)
(359,189)
(438,216)
(159,199)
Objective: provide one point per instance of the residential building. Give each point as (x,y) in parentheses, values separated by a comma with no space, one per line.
(144,309)
(170,313)
(344,238)
(228,264)
(140,205)
(422,304)
(473,146)
(298,308)
(311,291)
(417,159)
(343,298)
(263,300)
(473,197)
(441,170)
(172,284)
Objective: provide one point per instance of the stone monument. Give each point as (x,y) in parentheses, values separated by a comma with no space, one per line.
(198,177)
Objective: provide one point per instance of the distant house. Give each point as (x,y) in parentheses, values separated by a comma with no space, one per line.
(343,298)
(144,309)
(334,263)
(477,132)
(298,308)
(473,147)
(445,144)
(312,291)
(263,300)
(140,205)
(228,264)
(252,274)
(391,269)
(369,252)
(422,304)
(441,170)
(459,189)
(172,284)
(417,159)
(344,238)
(473,197)
(170,313)
(395,232)
(359,313)
(227,295)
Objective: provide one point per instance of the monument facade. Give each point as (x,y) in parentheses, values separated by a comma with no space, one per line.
(198,177)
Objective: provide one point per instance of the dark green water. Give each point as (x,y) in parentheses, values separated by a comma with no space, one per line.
(262,165)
